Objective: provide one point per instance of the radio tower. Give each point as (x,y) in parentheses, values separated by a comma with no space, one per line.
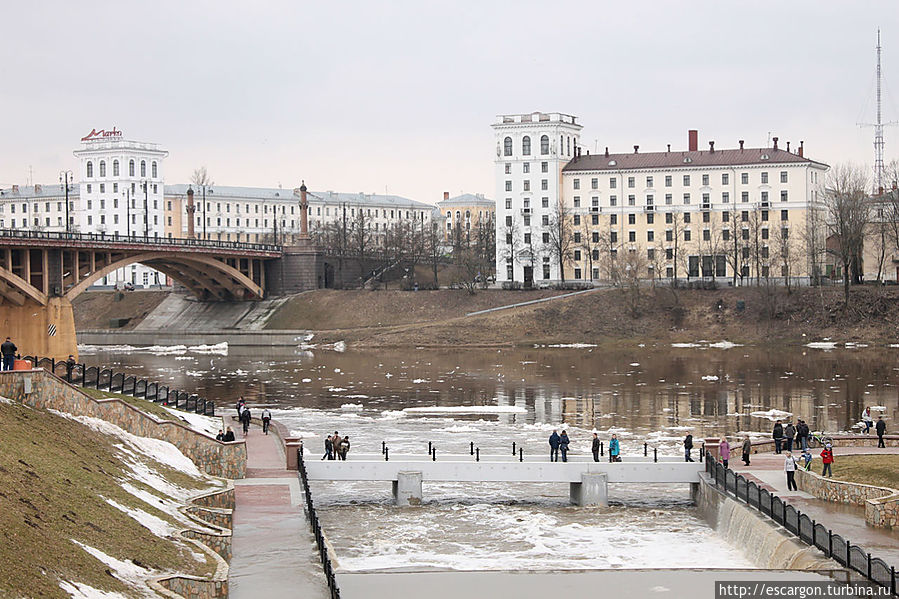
(878,129)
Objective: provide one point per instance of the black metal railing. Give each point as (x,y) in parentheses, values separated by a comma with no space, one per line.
(317,528)
(805,528)
(140,239)
(105,379)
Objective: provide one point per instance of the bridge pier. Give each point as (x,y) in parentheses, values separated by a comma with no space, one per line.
(592,490)
(407,488)
(29,326)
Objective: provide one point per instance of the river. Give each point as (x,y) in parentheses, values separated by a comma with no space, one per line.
(645,394)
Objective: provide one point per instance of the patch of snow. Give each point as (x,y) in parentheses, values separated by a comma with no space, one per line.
(392,414)
(356,396)
(635,363)
(307,380)
(772,414)
(419,381)
(466,410)
(199,422)
(725,345)
(573,345)
(336,389)
(351,407)
(157,526)
(5,400)
(78,590)
(825,345)
(127,572)
(685,345)
(710,377)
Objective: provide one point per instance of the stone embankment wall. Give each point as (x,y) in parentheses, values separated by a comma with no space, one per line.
(881,503)
(225,460)
(838,441)
(766,543)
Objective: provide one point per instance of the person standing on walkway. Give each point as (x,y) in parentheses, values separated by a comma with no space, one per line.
(563,445)
(8,349)
(614,449)
(595,447)
(866,418)
(724,451)
(789,433)
(747,449)
(240,405)
(245,418)
(266,419)
(329,448)
(881,428)
(802,434)
(778,435)
(827,460)
(344,447)
(70,366)
(554,441)
(790,469)
(688,447)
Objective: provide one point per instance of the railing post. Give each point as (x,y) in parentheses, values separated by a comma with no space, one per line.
(472,447)
(702,452)
(829,543)
(602,445)
(383,447)
(814,535)
(513,448)
(655,454)
(430,447)
(386,454)
(869,566)
(893,579)
(520,454)
(434,454)
(477,455)
(645,449)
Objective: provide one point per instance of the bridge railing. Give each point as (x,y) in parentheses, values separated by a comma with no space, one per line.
(139,239)
(316,527)
(105,379)
(806,529)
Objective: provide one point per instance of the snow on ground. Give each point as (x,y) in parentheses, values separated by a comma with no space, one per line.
(157,526)
(5,400)
(78,590)
(199,422)
(466,410)
(772,414)
(128,572)
(220,349)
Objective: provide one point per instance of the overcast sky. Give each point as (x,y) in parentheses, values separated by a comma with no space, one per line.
(363,96)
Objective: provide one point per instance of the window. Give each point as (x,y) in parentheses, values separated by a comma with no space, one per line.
(156,190)
(508,206)
(631,200)
(577,253)
(725,234)
(527,239)
(115,168)
(577,237)
(594,183)
(507,146)
(613,219)
(526,145)
(725,216)
(577,220)
(668,199)
(526,167)
(143,168)
(686,198)
(508,239)
(744,196)
(764,198)
(527,220)
(746,236)
(545,270)
(686,180)
(764,233)
(544,202)
(509,220)
(115,188)
(90,168)
(527,186)
(744,178)
(613,237)
(784,215)
(613,200)
(595,237)
(667,180)
(632,219)
(544,167)
(783,195)
(705,198)
(577,201)
(115,202)
(545,220)
(613,183)
(508,168)
(650,218)
(705,179)
(764,215)
(632,236)
(544,145)
(744,216)
(649,182)
(725,197)
(544,184)
(669,218)
(630,182)
(131,168)
(687,235)
(706,217)
(594,219)
(102,168)
(651,254)
(576,183)
(784,233)
(725,179)
(546,238)
(508,186)
(783,176)
(764,178)
(650,236)
(102,187)
(687,217)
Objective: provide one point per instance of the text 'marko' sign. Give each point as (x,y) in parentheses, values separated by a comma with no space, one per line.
(101,134)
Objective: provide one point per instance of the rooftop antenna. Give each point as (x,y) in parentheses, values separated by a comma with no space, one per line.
(878,128)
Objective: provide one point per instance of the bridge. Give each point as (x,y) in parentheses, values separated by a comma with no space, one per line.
(588,480)
(41,272)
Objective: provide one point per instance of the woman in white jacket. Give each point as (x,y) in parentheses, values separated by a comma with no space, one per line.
(790,469)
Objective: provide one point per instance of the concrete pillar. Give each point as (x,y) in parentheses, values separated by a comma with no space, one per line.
(28,326)
(407,488)
(592,490)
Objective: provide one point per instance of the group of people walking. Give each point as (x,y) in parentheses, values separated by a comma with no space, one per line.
(784,436)
(245,417)
(558,444)
(336,447)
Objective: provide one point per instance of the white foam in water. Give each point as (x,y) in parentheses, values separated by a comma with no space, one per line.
(725,345)
(685,345)
(710,377)
(220,349)
(573,345)
(351,407)
(466,410)
(826,345)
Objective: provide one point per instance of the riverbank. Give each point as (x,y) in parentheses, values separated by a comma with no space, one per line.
(441,318)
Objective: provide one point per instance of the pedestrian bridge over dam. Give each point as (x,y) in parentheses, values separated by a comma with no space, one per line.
(588,480)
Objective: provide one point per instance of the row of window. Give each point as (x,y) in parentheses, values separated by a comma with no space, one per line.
(686,218)
(526,167)
(711,266)
(564,145)
(154,168)
(115,188)
(649,199)
(36,207)
(687,179)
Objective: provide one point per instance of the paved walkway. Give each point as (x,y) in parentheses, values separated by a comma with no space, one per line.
(274,553)
(845,520)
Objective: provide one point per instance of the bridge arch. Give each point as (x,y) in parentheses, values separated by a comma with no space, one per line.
(15,289)
(205,276)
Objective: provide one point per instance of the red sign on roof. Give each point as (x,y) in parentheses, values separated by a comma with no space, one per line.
(101,134)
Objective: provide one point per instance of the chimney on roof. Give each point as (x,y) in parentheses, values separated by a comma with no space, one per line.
(445,196)
(711,146)
(788,147)
(607,151)
(37,188)
(741,145)
(15,188)
(669,147)
(693,140)
(636,148)
(801,147)
(775,142)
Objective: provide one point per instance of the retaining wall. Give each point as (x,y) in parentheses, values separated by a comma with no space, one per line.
(881,503)
(225,460)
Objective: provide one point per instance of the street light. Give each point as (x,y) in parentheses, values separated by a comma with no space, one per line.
(65,178)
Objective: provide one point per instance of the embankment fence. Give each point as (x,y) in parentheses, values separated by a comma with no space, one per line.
(316,527)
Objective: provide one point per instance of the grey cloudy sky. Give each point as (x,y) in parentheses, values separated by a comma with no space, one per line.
(359,96)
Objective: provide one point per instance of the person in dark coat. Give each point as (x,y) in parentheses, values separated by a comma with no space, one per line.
(563,445)
(266,419)
(881,429)
(8,349)
(747,449)
(688,446)
(789,433)
(802,433)
(595,447)
(343,448)
(220,436)
(229,436)
(778,436)
(554,441)
(245,418)
(329,448)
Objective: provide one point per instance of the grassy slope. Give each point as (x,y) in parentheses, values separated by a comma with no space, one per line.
(54,473)
(94,309)
(880,471)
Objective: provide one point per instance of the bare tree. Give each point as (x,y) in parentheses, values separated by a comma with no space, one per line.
(433,248)
(561,239)
(509,251)
(201,177)
(787,251)
(847,216)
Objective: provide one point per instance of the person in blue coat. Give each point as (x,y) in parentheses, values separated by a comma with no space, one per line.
(614,449)
(563,445)
(554,441)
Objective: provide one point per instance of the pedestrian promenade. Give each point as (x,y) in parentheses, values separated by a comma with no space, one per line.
(274,553)
(848,521)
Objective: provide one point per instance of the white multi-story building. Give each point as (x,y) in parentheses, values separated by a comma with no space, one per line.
(722,213)
(531,150)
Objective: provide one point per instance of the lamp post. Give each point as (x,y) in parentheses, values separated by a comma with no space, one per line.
(65,178)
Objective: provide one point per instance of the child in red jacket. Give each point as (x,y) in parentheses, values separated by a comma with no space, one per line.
(827,460)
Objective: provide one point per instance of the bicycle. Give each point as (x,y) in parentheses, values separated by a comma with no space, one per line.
(819,439)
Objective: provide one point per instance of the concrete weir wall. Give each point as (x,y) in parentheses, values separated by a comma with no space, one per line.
(766,543)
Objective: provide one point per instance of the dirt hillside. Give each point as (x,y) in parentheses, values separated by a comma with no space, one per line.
(95,309)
